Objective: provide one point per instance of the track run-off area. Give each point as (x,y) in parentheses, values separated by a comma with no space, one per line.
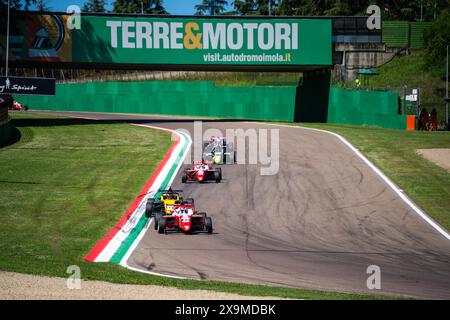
(319,223)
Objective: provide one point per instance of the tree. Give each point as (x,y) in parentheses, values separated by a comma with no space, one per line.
(213,7)
(42,5)
(244,7)
(17,4)
(158,8)
(262,7)
(257,7)
(94,6)
(138,6)
(437,38)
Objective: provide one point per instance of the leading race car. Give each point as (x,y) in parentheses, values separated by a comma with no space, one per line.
(218,151)
(165,202)
(201,172)
(184,219)
(186,203)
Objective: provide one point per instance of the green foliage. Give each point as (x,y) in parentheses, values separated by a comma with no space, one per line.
(244,7)
(412,10)
(211,7)
(138,6)
(437,38)
(390,9)
(257,7)
(413,71)
(42,5)
(17,4)
(94,6)
(322,7)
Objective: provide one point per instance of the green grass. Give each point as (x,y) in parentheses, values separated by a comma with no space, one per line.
(394,152)
(232,79)
(63,186)
(237,79)
(413,71)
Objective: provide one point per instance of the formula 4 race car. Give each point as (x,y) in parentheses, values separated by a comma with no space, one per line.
(185,219)
(218,151)
(201,172)
(186,203)
(17,106)
(165,202)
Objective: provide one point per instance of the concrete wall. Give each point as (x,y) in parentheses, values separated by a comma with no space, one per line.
(356,56)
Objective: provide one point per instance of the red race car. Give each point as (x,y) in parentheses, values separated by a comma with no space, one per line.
(17,106)
(201,172)
(185,219)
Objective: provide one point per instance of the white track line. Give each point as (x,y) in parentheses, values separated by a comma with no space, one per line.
(115,243)
(393,186)
(124,261)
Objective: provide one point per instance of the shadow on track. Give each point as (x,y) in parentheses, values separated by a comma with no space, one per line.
(16,135)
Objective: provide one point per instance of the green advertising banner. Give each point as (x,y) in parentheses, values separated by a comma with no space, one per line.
(148,40)
(202,41)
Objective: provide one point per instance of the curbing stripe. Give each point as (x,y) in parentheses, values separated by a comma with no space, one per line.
(113,239)
(125,258)
(128,242)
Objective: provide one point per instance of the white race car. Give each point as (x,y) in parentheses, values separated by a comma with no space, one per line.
(218,151)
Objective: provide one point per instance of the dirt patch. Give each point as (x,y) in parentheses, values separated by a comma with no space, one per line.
(16,286)
(441,157)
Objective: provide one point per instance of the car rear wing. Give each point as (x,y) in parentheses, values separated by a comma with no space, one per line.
(170,190)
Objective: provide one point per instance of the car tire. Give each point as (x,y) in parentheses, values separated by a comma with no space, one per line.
(161,225)
(208,225)
(218,175)
(157,217)
(184,177)
(149,208)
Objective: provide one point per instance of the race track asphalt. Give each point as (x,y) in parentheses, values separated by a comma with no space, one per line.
(319,223)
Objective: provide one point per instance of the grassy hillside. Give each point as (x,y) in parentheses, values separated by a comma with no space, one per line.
(411,70)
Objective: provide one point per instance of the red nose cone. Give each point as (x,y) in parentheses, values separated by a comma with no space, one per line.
(200,175)
(186,226)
